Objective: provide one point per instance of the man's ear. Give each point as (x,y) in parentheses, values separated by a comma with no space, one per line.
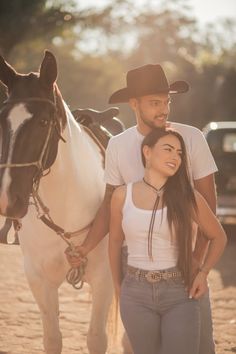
(7,73)
(48,70)
(133,103)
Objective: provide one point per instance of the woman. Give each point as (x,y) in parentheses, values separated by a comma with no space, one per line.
(158,217)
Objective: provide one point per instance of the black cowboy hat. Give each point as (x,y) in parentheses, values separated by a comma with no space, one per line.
(147,80)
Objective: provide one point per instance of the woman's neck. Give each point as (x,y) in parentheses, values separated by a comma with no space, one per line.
(155,179)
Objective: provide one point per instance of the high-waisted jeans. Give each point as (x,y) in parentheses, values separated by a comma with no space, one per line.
(160,318)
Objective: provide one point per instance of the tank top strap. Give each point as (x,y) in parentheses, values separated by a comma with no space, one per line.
(128,197)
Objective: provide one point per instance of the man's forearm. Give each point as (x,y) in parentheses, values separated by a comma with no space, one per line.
(201,247)
(99,229)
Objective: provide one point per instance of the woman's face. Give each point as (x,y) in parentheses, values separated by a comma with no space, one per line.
(165,155)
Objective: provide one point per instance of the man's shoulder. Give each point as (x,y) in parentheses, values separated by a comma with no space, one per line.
(186,128)
(123,137)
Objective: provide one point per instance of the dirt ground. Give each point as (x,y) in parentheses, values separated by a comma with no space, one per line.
(20,325)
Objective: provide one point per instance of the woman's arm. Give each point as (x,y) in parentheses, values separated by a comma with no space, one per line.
(116,236)
(212,229)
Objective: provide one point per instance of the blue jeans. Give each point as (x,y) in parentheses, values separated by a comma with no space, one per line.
(206,345)
(159,317)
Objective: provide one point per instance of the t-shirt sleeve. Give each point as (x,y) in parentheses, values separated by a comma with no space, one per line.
(112,174)
(203,163)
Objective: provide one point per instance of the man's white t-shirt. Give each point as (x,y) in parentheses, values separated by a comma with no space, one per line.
(123,155)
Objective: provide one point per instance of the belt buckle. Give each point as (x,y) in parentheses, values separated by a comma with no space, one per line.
(153,277)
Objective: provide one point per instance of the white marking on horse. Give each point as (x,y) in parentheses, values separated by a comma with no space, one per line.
(16,118)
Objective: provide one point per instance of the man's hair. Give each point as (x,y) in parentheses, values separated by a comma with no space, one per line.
(179,198)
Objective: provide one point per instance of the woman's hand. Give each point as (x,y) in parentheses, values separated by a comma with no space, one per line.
(199,286)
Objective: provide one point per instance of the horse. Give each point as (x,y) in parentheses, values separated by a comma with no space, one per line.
(52,168)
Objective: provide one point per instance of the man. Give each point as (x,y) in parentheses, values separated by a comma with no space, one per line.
(148,94)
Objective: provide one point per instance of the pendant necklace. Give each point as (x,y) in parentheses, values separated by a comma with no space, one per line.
(151,225)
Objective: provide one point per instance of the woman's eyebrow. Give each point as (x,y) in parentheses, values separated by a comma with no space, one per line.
(172,147)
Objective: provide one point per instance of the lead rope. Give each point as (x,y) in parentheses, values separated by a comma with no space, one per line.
(74,275)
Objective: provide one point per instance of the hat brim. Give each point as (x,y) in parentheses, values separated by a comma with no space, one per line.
(124,95)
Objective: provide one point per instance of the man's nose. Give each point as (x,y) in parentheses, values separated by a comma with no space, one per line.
(164,110)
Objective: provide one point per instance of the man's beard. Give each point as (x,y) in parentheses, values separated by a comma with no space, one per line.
(151,124)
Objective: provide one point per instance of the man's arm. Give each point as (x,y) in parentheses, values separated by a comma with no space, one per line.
(205,186)
(98,231)
(100,226)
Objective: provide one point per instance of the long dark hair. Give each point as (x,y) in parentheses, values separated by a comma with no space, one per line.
(179,198)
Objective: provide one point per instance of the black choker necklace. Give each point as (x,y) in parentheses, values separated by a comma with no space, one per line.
(158,191)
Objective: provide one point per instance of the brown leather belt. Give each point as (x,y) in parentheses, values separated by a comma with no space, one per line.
(152,276)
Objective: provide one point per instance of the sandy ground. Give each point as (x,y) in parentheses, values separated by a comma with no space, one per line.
(20,325)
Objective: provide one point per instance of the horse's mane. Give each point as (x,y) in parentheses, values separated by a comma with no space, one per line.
(60,106)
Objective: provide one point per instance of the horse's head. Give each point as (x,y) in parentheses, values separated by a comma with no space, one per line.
(31,120)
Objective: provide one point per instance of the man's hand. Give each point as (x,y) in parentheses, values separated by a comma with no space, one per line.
(75,260)
(199,286)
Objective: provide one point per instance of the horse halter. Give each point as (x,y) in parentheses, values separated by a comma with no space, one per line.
(38,163)
(74,275)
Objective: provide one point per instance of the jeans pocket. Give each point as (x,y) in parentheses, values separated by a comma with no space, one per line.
(178,282)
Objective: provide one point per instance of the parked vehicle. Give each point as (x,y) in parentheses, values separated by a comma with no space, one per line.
(221,137)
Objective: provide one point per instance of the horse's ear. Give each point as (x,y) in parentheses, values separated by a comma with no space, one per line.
(48,69)
(7,73)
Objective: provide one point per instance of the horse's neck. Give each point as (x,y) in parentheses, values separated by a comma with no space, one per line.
(75,184)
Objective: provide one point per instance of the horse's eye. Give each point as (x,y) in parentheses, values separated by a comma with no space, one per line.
(44,122)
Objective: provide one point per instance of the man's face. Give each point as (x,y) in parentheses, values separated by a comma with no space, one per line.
(153,110)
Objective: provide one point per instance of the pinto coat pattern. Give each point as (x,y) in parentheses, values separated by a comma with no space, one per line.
(72,190)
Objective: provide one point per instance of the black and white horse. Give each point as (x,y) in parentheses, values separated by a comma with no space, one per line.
(46,154)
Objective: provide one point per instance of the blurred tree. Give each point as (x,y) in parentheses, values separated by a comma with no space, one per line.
(205,59)
(21,20)
(95,47)
(28,26)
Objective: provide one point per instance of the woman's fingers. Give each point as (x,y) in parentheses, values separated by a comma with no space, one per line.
(199,287)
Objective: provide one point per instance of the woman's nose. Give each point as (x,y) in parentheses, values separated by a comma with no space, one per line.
(175,155)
